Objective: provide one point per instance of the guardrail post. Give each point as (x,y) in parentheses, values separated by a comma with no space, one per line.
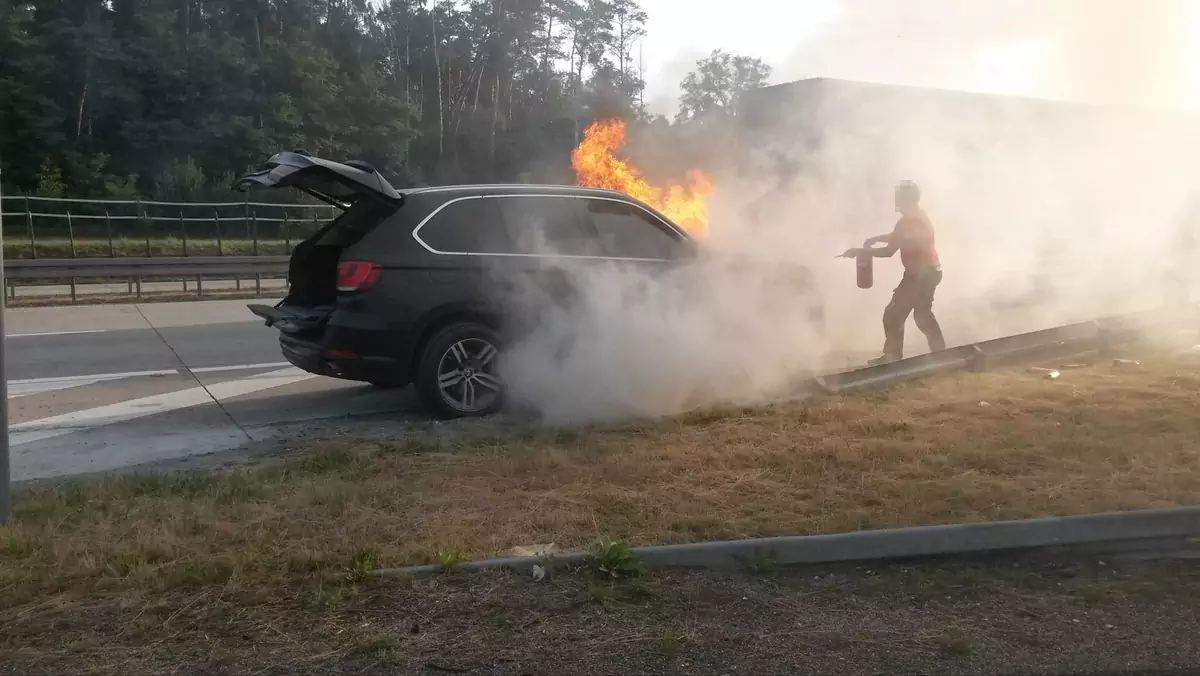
(138,282)
(71,243)
(183,234)
(108,228)
(145,230)
(70,233)
(978,361)
(254,235)
(237,281)
(217,225)
(287,236)
(29,223)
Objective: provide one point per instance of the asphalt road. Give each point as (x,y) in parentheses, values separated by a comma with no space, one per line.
(94,388)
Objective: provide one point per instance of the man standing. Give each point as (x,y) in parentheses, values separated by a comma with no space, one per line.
(913,238)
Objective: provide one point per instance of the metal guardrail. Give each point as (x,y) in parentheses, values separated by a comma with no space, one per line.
(109,227)
(176,266)
(173,204)
(1100,336)
(138,269)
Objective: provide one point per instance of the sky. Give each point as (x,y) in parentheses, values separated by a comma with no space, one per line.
(1104,51)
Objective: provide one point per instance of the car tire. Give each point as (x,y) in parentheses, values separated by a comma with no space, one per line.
(456,372)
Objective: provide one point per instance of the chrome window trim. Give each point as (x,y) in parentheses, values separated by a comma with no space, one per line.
(416,233)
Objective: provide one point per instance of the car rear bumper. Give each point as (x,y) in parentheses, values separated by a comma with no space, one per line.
(317,356)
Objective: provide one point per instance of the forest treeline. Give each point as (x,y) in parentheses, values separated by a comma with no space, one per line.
(172,99)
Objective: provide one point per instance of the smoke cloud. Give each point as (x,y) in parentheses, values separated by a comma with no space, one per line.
(1044,214)
(649,340)
(1099,51)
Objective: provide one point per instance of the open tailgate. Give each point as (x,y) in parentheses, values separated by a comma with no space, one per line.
(291,319)
(333,182)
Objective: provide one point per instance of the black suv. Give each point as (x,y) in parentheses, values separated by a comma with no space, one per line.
(424,285)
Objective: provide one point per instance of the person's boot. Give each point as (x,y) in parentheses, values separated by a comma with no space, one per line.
(881,360)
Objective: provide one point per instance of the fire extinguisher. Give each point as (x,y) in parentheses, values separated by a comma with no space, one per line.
(865,267)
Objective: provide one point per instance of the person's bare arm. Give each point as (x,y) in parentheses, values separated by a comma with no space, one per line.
(893,245)
(891,239)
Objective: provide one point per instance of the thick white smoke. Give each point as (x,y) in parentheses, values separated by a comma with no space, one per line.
(637,341)
(1100,51)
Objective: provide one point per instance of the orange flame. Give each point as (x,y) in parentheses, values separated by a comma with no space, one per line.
(597,167)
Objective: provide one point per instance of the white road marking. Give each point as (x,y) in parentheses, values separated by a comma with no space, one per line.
(24,390)
(26,387)
(15,391)
(94,376)
(58,333)
(241,367)
(54,426)
(54,333)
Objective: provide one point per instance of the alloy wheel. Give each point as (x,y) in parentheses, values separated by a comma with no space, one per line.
(467,376)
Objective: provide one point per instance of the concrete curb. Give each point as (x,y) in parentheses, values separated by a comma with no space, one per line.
(1173,528)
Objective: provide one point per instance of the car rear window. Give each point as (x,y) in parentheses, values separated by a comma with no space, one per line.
(353,224)
(625,231)
(469,226)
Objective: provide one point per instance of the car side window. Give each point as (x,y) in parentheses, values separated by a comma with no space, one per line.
(626,231)
(548,225)
(469,226)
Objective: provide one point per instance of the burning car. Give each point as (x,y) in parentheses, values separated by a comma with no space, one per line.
(427,285)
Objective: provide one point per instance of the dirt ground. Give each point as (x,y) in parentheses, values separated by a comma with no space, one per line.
(1001,616)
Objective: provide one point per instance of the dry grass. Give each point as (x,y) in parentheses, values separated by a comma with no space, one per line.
(921,453)
(995,616)
(267,567)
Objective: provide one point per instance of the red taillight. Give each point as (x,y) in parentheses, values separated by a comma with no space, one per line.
(356,275)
